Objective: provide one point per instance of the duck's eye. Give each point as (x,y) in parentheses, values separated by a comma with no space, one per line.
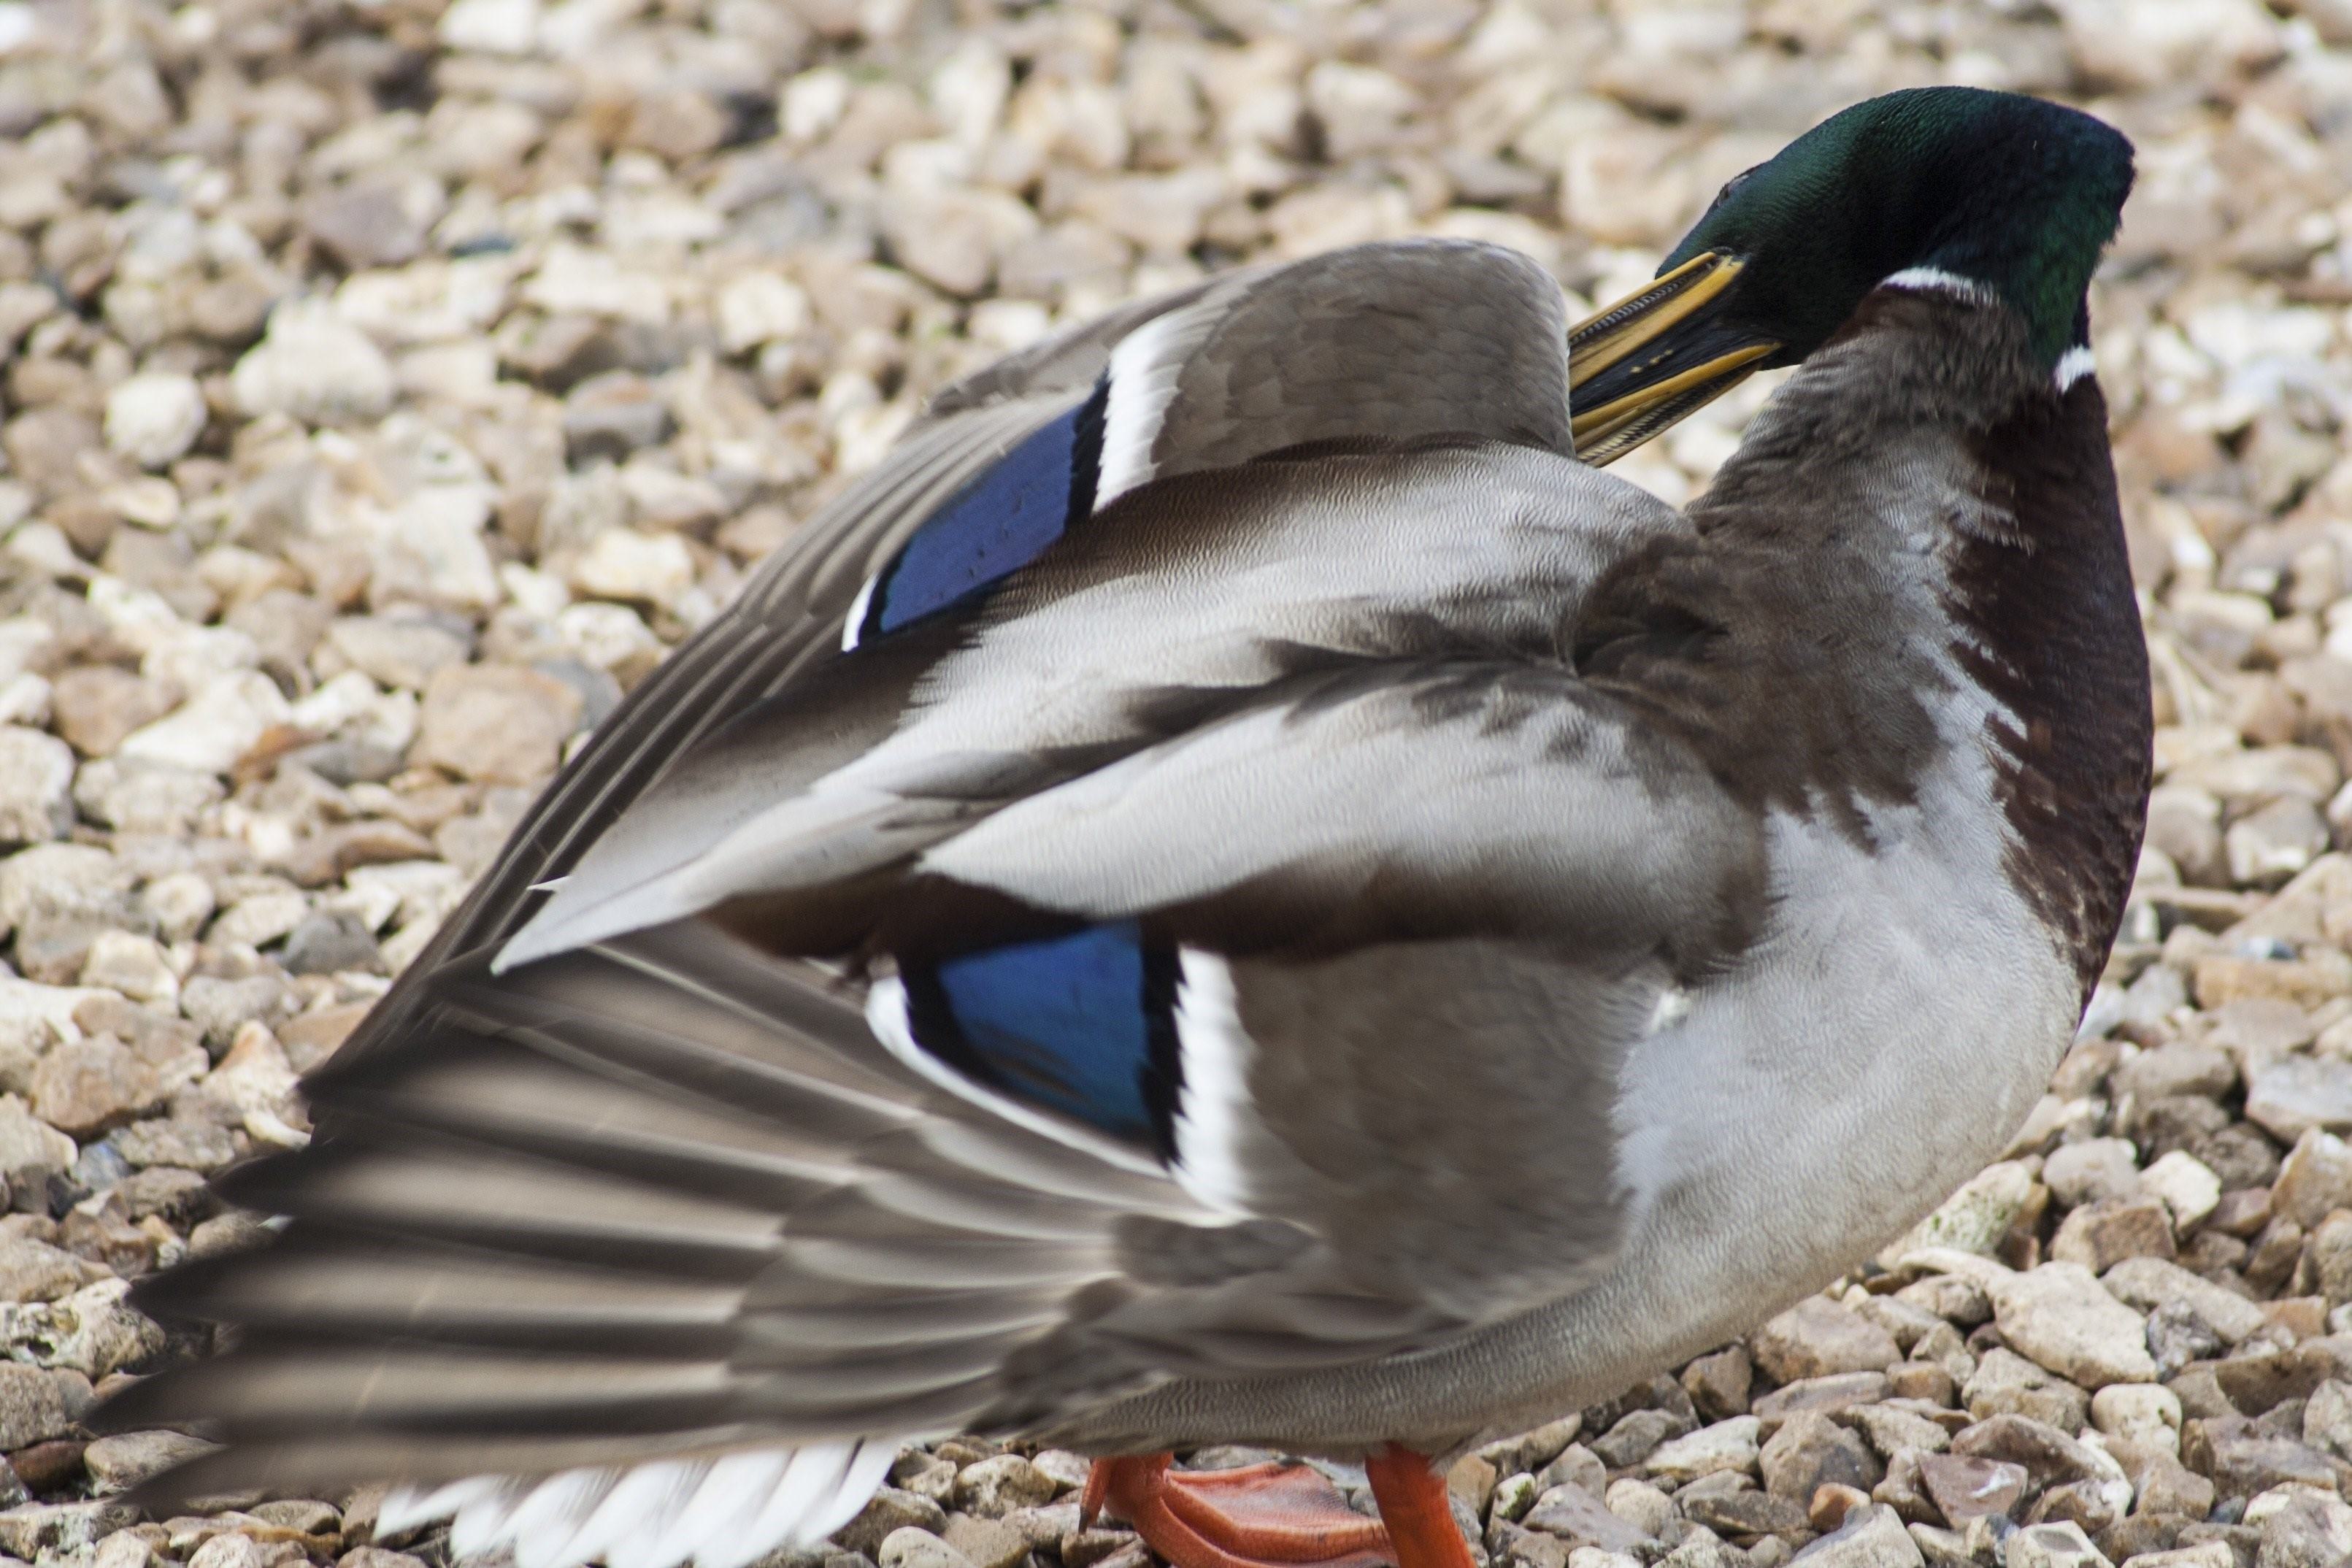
(1730,185)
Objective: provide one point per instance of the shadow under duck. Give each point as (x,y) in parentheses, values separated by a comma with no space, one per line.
(1233,891)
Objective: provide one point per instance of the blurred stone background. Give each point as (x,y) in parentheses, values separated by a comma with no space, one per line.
(387,384)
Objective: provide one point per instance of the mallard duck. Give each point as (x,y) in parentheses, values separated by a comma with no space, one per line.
(1235,890)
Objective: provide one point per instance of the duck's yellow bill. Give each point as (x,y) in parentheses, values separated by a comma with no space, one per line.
(1656,356)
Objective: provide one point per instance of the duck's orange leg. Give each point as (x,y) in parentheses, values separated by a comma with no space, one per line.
(1415,1507)
(1280,1515)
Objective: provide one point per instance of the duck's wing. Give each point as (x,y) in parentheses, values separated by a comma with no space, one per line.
(1135,971)
(1391,341)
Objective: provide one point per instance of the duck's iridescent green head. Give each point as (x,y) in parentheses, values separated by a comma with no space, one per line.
(2009,193)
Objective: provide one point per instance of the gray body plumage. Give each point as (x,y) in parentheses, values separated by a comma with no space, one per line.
(1593,925)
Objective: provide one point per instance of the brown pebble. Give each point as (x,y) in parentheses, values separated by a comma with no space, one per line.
(1832,1502)
(48,1467)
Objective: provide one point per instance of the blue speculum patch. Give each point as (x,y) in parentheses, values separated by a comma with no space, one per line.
(997,524)
(1080,1024)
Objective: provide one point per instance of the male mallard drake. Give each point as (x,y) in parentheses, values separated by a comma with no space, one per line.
(1235,891)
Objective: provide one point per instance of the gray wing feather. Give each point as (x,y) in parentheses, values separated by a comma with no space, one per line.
(1202,584)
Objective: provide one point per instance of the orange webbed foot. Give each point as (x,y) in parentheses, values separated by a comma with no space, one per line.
(1280,1515)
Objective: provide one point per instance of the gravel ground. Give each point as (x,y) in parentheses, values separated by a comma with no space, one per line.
(388,385)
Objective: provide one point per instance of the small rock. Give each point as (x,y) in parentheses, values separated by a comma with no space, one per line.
(2204,1554)
(1743,1512)
(1892,1428)
(36,1405)
(1961,1302)
(1975,1218)
(1869,1538)
(95,705)
(495,28)
(404,652)
(759,307)
(497,722)
(1827,1396)
(1641,1505)
(2261,1381)
(2094,1170)
(2189,1187)
(2314,1178)
(214,728)
(132,795)
(2151,1283)
(1087,1548)
(179,1197)
(37,772)
(1941,1548)
(49,1466)
(2169,1488)
(153,419)
(225,1234)
(231,1549)
(2243,1459)
(1045,1526)
(259,919)
(985,1542)
(1514,1495)
(611,415)
(913,1548)
(306,1515)
(1966,1487)
(2052,1546)
(2290,1095)
(2328,1418)
(1579,1518)
(330,943)
(996,1487)
(2271,844)
(1530,1451)
(890,1508)
(2179,1066)
(1637,1435)
(132,964)
(2060,1317)
(1718,1384)
(622,563)
(121,1461)
(2302,1527)
(1820,1338)
(1471,1481)
(2143,1412)
(1575,1465)
(84,1087)
(221,1007)
(188,1145)
(1832,1503)
(1809,1451)
(1727,1445)
(368,223)
(1922,1381)
(2051,1455)
(2006,1383)
(29,1148)
(925,1475)
(315,367)
(91,1331)
(2102,1234)
(32,1270)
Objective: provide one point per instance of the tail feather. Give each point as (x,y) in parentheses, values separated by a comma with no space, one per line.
(716,1512)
